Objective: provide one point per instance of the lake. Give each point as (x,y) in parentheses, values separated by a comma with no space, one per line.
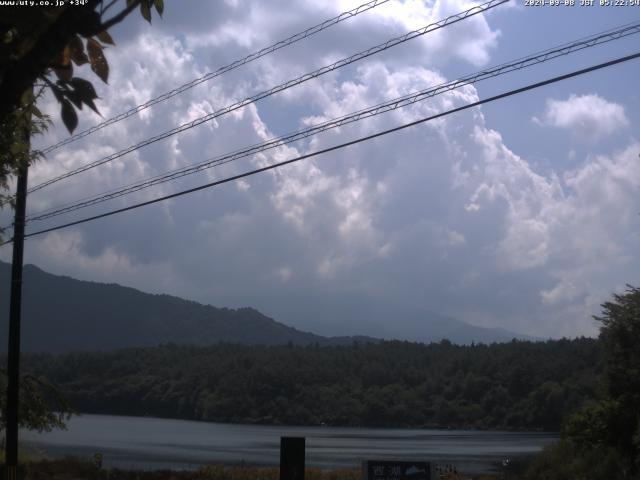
(154,443)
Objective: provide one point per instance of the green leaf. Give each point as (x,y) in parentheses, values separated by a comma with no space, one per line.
(91,105)
(97,59)
(105,38)
(85,92)
(17,148)
(36,111)
(145,11)
(75,98)
(9,35)
(159,4)
(27,97)
(76,51)
(66,56)
(57,92)
(69,116)
(84,87)
(64,73)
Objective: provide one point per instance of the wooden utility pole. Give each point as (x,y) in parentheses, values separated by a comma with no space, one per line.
(292,453)
(13,363)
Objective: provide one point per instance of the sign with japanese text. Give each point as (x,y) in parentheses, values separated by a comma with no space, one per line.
(396,470)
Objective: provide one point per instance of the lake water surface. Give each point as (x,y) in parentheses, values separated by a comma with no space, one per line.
(153,443)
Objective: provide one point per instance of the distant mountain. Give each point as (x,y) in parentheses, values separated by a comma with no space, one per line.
(62,314)
(378,317)
(425,326)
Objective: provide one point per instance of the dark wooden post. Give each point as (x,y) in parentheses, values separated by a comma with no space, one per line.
(292,458)
(13,356)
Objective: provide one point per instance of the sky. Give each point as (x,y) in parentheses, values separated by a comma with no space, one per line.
(522,214)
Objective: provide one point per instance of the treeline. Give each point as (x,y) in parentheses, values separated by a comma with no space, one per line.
(516,385)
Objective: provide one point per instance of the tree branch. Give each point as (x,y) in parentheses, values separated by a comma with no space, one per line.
(111,4)
(119,17)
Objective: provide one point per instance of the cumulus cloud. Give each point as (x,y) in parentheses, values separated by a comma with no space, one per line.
(589,116)
(527,197)
(443,216)
(575,232)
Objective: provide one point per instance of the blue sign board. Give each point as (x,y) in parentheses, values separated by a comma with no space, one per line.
(397,470)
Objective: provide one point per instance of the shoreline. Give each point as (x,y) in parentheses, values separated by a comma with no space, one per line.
(438,428)
(149,443)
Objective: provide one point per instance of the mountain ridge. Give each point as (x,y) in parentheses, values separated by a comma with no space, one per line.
(124,317)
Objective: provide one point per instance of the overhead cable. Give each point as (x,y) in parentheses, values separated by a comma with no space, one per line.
(387,106)
(340,146)
(220,71)
(284,86)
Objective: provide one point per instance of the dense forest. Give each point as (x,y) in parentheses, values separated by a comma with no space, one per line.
(516,385)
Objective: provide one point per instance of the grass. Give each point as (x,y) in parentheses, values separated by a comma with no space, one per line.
(74,469)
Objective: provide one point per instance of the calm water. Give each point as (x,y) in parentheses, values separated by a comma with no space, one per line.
(152,443)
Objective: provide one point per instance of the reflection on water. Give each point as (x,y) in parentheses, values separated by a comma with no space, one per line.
(152,443)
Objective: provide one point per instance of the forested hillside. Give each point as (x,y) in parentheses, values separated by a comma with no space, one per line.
(518,385)
(62,314)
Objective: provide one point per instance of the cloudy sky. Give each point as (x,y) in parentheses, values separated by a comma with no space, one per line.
(521,214)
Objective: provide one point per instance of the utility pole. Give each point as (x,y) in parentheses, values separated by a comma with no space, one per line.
(13,363)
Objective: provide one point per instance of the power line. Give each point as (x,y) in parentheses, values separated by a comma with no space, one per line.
(387,106)
(291,83)
(342,145)
(220,71)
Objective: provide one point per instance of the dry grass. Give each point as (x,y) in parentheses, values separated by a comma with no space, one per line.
(73,469)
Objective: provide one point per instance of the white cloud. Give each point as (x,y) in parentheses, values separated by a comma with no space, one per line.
(529,200)
(283,274)
(443,215)
(57,248)
(455,239)
(588,116)
(254,25)
(564,291)
(580,231)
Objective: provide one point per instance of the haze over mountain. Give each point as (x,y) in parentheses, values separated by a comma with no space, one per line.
(64,314)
